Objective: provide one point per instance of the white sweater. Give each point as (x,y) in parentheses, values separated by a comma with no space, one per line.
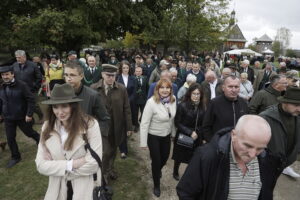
(156,120)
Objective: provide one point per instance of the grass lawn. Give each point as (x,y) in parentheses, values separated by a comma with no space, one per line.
(24,182)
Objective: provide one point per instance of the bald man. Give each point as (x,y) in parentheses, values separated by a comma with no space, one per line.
(234,165)
(225,72)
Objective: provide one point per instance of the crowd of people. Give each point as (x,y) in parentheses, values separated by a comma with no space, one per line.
(236,125)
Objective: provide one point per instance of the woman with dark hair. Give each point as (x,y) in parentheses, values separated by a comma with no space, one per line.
(188,120)
(128,81)
(157,126)
(61,152)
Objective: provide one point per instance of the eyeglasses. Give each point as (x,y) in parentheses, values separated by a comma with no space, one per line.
(71,76)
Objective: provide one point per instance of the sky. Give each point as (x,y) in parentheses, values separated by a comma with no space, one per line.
(257,17)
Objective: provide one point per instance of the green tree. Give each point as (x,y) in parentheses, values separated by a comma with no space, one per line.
(291,53)
(191,24)
(65,24)
(131,41)
(276,48)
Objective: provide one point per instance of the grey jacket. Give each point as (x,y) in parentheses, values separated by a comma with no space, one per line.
(263,99)
(278,142)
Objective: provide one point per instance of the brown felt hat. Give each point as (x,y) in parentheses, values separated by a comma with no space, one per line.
(62,94)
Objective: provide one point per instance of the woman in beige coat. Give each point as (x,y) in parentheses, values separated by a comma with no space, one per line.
(61,152)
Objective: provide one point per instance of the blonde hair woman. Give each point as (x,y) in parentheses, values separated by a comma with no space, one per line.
(157,126)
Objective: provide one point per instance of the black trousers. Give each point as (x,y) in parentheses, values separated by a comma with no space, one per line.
(159,148)
(11,127)
(135,113)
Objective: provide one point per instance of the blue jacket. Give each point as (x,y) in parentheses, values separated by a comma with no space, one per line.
(152,87)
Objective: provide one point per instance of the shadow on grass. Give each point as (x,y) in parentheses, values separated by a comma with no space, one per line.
(24,182)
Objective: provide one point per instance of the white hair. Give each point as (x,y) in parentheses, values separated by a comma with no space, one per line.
(191,78)
(173,69)
(20,53)
(282,64)
(246,62)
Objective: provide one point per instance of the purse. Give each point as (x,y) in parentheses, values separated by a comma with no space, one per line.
(103,192)
(187,141)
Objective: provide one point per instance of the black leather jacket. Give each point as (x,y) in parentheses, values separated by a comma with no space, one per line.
(16,101)
(207,175)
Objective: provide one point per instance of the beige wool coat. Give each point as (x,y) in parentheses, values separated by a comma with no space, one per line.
(81,178)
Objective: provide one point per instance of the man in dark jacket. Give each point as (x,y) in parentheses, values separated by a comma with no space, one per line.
(268,96)
(196,70)
(92,73)
(224,110)
(246,69)
(16,108)
(91,104)
(284,119)
(27,71)
(220,169)
(140,99)
(212,86)
(115,98)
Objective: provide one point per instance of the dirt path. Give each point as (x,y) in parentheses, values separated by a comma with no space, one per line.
(286,189)
(168,183)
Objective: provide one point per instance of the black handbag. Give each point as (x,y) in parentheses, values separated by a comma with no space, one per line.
(102,192)
(187,141)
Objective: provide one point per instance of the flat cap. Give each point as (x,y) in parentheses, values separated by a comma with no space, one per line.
(4,69)
(109,68)
(72,52)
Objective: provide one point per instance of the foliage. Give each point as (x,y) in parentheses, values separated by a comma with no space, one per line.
(66,25)
(131,41)
(191,24)
(252,47)
(112,44)
(291,53)
(276,48)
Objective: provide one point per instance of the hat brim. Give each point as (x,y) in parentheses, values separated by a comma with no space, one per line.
(63,101)
(284,100)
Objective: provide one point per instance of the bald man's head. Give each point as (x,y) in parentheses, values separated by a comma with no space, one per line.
(250,137)
(210,76)
(226,72)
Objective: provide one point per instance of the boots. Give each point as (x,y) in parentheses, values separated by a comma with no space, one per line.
(175,170)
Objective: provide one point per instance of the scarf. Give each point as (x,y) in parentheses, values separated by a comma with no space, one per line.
(165,100)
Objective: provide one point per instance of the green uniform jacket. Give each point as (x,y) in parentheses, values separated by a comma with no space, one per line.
(278,142)
(263,99)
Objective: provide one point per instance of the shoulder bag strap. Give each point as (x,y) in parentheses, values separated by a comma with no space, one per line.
(197,118)
(97,158)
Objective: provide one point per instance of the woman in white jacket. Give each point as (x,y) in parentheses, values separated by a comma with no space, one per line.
(157,126)
(61,152)
(246,88)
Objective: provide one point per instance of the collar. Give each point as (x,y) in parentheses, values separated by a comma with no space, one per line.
(214,83)
(271,90)
(79,90)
